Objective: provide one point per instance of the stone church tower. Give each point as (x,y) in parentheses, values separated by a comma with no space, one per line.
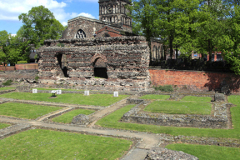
(114,21)
(116,12)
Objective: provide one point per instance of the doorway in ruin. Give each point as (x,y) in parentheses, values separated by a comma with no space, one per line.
(100,69)
(62,61)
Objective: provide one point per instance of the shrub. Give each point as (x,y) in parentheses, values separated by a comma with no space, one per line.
(36,78)
(166,88)
(36,56)
(60,45)
(7,83)
(21,62)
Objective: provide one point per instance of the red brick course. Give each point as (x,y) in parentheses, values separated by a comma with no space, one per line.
(195,80)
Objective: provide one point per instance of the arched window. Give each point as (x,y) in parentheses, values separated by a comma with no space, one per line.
(80,34)
(162,51)
(154,53)
(159,53)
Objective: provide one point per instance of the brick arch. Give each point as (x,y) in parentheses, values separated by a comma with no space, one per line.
(100,57)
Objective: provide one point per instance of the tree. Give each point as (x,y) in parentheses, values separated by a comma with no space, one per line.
(229,43)
(40,24)
(144,14)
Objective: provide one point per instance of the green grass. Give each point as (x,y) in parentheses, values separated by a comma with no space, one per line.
(3,125)
(204,152)
(112,121)
(197,99)
(47,144)
(155,96)
(22,110)
(67,117)
(6,88)
(176,107)
(50,89)
(94,99)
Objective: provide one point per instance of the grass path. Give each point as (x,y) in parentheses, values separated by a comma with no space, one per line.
(3,125)
(67,117)
(48,144)
(176,107)
(28,111)
(6,88)
(94,99)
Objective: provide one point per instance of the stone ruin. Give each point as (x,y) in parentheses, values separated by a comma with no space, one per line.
(114,63)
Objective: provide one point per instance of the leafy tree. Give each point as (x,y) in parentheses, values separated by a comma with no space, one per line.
(40,24)
(229,43)
(3,43)
(144,14)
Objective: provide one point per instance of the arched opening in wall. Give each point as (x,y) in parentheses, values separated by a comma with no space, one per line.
(162,52)
(106,35)
(159,53)
(62,64)
(100,69)
(80,34)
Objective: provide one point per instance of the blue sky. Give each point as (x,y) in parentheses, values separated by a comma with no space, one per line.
(63,10)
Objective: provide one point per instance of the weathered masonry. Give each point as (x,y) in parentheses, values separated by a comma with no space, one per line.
(119,63)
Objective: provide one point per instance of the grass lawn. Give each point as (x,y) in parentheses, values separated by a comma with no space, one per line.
(3,125)
(155,96)
(112,121)
(176,107)
(67,117)
(6,88)
(196,99)
(94,99)
(204,152)
(22,110)
(50,89)
(47,144)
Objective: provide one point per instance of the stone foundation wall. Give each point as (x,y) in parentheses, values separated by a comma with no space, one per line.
(219,118)
(125,60)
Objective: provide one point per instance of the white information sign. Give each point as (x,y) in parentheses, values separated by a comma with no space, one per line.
(59,91)
(115,94)
(86,93)
(34,90)
(53,91)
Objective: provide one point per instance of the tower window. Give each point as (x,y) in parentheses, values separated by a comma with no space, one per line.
(80,34)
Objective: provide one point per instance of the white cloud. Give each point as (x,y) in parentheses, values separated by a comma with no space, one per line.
(11,9)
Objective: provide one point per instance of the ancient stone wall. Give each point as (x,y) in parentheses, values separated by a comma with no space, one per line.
(119,63)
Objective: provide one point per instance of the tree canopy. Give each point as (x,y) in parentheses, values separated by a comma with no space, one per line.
(202,26)
(40,24)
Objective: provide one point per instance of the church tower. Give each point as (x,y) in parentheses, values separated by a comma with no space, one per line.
(116,12)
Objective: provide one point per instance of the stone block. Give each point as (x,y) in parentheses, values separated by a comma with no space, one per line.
(81,119)
(219,97)
(163,153)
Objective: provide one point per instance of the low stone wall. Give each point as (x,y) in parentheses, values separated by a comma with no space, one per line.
(7,91)
(169,139)
(163,153)
(219,118)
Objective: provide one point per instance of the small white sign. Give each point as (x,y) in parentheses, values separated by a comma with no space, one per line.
(59,91)
(34,90)
(86,93)
(115,94)
(53,91)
